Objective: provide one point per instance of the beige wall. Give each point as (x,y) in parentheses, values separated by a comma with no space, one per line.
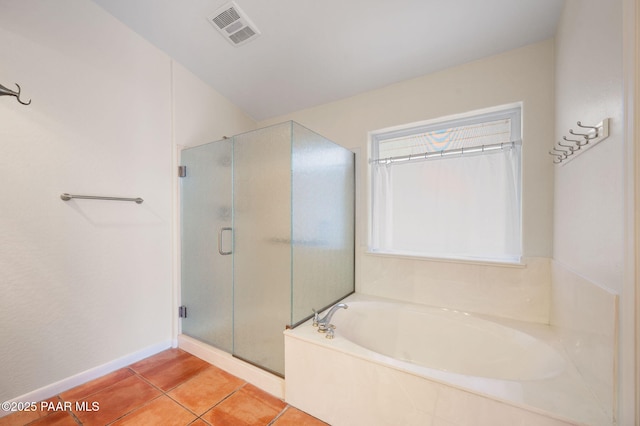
(87,283)
(523,75)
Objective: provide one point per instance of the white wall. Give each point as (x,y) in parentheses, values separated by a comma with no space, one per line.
(523,75)
(201,114)
(589,216)
(589,220)
(85,282)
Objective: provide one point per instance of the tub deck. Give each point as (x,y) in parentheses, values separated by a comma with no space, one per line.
(342,382)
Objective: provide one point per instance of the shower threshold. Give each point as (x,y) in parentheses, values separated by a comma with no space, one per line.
(267,381)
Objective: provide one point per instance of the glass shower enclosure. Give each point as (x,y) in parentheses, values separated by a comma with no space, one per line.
(267,235)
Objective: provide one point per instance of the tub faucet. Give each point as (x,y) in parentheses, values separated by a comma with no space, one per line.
(324,325)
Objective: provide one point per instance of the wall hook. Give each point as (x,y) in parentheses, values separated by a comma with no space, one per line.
(8,92)
(558,159)
(577,142)
(571,147)
(596,129)
(584,135)
(561,152)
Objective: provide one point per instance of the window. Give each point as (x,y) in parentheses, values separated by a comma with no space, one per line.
(449,189)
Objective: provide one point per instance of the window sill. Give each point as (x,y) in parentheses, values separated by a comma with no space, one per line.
(468,261)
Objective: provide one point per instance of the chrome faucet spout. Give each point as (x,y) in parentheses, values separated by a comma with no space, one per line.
(325,323)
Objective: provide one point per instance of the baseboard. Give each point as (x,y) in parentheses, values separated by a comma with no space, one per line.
(250,373)
(85,376)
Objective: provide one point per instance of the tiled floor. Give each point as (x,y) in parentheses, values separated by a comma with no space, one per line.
(170,388)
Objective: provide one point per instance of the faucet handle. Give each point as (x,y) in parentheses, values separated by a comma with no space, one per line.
(315,317)
(324,327)
(329,334)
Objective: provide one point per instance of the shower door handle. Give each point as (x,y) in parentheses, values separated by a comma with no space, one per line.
(220,234)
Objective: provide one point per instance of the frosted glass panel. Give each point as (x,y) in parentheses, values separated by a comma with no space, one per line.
(207,286)
(323,222)
(288,196)
(262,257)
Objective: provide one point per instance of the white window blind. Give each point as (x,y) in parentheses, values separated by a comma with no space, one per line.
(450,189)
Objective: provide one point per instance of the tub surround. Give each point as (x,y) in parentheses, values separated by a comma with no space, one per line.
(357,383)
(519,291)
(361,393)
(585,317)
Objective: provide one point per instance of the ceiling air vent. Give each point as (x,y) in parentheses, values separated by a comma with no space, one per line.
(233,24)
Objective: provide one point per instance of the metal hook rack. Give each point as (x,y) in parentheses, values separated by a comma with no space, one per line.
(564,153)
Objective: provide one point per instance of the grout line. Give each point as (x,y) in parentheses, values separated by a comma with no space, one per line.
(133,410)
(220,402)
(144,379)
(40,418)
(166,393)
(73,415)
(279,415)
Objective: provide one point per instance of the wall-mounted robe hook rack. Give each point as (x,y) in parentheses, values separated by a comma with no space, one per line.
(581,140)
(8,92)
(67,197)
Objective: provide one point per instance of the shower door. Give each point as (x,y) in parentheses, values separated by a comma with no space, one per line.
(236,255)
(207,244)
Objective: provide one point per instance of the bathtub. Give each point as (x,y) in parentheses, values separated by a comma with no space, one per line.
(393,363)
(448,340)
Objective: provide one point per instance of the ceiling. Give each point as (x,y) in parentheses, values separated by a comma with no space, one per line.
(315,51)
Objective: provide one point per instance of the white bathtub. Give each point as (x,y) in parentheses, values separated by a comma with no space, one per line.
(395,363)
(448,340)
